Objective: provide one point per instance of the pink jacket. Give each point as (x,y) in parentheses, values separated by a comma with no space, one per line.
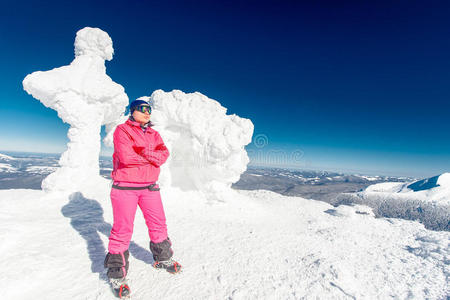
(137,155)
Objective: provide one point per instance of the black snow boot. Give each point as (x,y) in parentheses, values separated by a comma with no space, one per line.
(162,254)
(117,264)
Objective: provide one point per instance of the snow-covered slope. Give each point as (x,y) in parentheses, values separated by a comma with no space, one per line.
(434,190)
(4,157)
(426,200)
(5,165)
(6,168)
(261,245)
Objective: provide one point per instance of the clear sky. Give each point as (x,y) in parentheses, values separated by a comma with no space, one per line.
(332,85)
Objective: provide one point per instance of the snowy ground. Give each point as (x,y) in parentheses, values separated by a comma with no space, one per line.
(426,200)
(261,245)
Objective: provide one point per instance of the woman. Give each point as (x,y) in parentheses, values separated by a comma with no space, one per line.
(139,151)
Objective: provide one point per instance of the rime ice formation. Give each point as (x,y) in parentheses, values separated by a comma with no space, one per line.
(206,144)
(86,98)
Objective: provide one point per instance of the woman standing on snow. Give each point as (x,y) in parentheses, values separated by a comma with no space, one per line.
(139,151)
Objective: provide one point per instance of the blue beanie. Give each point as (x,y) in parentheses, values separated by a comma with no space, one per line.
(136,103)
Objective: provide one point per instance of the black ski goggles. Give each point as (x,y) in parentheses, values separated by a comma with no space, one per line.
(144,109)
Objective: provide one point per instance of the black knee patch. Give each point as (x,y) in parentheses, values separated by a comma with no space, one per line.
(117,264)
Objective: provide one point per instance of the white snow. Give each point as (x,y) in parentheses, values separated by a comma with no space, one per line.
(444,180)
(7,168)
(439,194)
(93,42)
(41,169)
(6,157)
(371,178)
(260,245)
(255,245)
(387,187)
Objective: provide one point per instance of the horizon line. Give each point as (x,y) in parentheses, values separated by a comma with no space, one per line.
(287,167)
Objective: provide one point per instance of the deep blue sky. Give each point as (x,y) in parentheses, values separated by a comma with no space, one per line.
(354,86)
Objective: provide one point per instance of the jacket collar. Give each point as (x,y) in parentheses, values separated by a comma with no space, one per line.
(132,122)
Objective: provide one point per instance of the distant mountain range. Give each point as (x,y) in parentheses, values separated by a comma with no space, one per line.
(27,170)
(319,185)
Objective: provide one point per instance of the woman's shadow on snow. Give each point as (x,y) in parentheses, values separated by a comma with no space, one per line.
(86,217)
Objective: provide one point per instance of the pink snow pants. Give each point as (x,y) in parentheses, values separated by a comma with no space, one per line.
(124,204)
